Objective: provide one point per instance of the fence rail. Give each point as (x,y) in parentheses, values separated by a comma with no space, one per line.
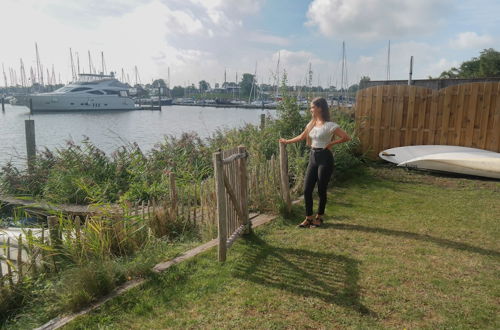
(399,115)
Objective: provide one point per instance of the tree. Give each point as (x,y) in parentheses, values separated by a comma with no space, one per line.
(178,91)
(486,65)
(160,83)
(489,63)
(246,84)
(363,81)
(204,86)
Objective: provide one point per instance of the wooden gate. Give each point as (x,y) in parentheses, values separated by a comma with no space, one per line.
(232,196)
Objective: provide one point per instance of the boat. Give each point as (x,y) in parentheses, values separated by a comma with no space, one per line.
(154,101)
(91,92)
(443,158)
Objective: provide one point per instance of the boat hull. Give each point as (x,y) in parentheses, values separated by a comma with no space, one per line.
(470,163)
(64,102)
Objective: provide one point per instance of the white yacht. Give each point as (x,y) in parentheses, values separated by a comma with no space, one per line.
(90,92)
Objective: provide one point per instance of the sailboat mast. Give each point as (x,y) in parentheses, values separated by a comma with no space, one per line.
(78,62)
(4,76)
(168,78)
(103,64)
(24,82)
(39,68)
(73,75)
(278,75)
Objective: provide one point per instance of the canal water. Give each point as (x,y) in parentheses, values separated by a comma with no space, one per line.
(111,129)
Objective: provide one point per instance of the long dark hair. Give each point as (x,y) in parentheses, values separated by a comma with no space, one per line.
(321,103)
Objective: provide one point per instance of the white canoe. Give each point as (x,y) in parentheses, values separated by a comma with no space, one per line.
(402,154)
(470,163)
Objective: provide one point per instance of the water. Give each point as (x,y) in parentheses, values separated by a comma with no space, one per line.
(110,130)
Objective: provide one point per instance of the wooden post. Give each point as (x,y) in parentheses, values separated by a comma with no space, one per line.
(221,204)
(173,193)
(20,258)
(31,252)
(31,106)
(244,189)
(7,256)
(29,126)
(262,121)
(54,232)
(1,274)
(285,185)
(3,104)
(78,225)
(159,97)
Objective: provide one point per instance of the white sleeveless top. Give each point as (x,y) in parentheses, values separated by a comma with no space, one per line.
(321,136)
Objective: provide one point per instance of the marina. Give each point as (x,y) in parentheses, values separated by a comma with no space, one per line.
(111,129)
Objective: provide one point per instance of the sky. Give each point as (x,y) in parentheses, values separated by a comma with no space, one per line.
(202,39)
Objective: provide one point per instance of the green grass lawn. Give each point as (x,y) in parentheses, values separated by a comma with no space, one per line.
(398,250)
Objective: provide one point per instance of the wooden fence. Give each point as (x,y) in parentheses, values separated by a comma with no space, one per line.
(30,251)
(400,115)
(230,171)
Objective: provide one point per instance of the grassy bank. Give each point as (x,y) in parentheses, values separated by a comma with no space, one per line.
(398,250)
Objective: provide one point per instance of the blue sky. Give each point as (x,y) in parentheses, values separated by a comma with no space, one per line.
(199,39)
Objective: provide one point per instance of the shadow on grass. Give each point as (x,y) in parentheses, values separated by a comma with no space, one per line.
(421,237)
(330,277)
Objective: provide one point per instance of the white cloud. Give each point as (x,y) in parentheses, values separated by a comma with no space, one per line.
(471,40)
(267,39)
(376,19)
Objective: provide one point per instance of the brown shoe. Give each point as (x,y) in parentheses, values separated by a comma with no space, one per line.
(305,224)
(317,222)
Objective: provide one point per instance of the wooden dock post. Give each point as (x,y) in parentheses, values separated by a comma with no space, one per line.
(159,97)
(285,185)
(29,126)
(262,121)
(221,205)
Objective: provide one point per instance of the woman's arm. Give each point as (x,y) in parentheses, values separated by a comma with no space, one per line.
(344,137)
(300,137)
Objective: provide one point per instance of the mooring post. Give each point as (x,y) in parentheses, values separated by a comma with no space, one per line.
(159,97)
(262,121)
(29,126)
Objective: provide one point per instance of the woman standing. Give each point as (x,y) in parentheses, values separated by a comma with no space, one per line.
(319,135)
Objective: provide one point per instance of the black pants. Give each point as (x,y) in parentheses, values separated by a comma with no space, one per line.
(319,170)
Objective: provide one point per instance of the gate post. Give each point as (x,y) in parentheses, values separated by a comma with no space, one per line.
(285,184)
(244,190)
(221,204)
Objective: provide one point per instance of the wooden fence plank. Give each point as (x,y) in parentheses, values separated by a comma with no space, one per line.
(495,139)
(471,115)
(485,115)
(448,93)
(459,119)
(409,116)
(378,117)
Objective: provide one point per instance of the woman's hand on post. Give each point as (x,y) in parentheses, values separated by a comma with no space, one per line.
(284,141)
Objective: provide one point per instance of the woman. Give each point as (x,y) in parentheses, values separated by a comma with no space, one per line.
(319,134)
